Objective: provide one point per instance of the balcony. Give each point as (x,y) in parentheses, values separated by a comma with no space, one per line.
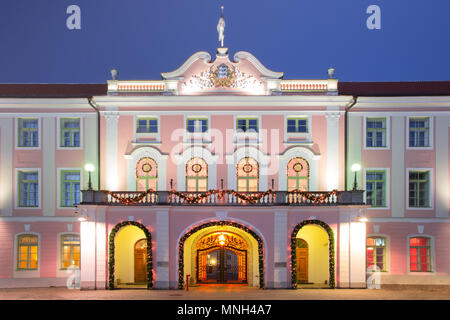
(222,198)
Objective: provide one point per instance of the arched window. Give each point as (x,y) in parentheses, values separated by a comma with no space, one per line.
(419,254)
(27,255)
(196,175)
(247,175)
(146,174)
(298,174)
(376,253)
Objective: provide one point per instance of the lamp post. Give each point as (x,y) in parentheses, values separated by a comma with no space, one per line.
(355,168)
(89,168)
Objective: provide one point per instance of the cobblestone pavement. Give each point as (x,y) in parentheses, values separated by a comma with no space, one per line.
(226,293)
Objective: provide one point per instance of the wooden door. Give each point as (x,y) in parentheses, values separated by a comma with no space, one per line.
(140,261)
(302,261)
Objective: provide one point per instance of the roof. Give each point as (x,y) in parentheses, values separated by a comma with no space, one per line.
(52,90)
(416,88)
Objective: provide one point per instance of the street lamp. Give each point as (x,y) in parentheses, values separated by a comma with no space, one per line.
(355,168)
(89,168)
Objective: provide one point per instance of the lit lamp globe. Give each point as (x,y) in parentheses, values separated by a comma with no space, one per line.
(89,168)
(355,168)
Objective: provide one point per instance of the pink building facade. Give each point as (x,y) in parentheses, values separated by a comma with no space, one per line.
(224,172)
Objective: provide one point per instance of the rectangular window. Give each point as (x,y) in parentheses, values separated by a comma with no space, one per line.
(419,130)
(28,188)
(70,132)
(419,255)
(376,132)
(196,125)
(147,125)
(376,188)
(419,188)
(28,132)
(70,251)
(70,188)
(375,252)
(297,125)
(247,125)
(27,252)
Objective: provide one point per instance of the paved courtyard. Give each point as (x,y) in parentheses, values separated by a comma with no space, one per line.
(227,293)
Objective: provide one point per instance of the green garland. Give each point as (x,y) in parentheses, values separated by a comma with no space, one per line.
(112,259)
(330,247)
(221,194)
(219,223)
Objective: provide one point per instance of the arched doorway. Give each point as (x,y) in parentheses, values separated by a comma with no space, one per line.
(240,260)
(312,259)
(221,257)
(130,255)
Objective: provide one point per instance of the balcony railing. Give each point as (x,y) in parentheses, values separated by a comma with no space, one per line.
(222,197)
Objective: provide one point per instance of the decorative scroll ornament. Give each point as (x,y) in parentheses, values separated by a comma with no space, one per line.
(222,239)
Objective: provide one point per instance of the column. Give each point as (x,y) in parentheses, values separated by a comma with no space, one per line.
(101,247)
(48,171)
(398,166)
(332,151)
(280,250)
(88,249)
(6,166)
(162,249)
(91,147)
(442,183)
(354,148)
(111,132)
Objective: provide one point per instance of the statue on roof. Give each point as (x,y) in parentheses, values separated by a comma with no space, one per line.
(221,28)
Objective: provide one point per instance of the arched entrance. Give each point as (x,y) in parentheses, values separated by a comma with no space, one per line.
(221,252)
(312,260)
(130,255)
(221,257)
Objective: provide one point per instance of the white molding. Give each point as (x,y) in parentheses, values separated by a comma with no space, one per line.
(430,131)
(139,153)
(58,131)
(409,220)
(388,187)
(58,187)
(253,60)
(432,253)
(205,56)
(388,131)
(16,132)
(16,189)
(26,273)
(430,191)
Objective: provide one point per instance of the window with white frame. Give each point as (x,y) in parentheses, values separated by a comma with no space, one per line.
(70,132)
(419,132)
(147,125)
(197,125)
(247,125)
(420,254)
(28,181)
(70,188)
(419,188)
(297,125)
(375,132)
(376,253)
(28,132)
(376,188)
(27,252)
(70,250)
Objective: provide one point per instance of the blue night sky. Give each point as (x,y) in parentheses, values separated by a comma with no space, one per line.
(303,38)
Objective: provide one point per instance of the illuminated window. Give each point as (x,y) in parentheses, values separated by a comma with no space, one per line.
(376,253)
(376,188)
(70,188)
(419,189)
(298,174)
(146,174)
(419,130)
(28,188)
(247,175)
(196,175)
(419,255)
(376,132)
(28,132)
(70,250)
(70,132)
(27,252)
(147,125)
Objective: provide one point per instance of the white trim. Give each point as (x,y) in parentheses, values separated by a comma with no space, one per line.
(307,136)
(240,137)
(387,246)
(139,153)
(16,133)
(16,189)
(181,70)
(137,136)
(387,187)
(387,135)
(26,273)
(409,220)
(58,181)
(430,131)
(432,253)
(197,137)
(430,189)
(253,60)
(60,272)
(39,219)
(58,131)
